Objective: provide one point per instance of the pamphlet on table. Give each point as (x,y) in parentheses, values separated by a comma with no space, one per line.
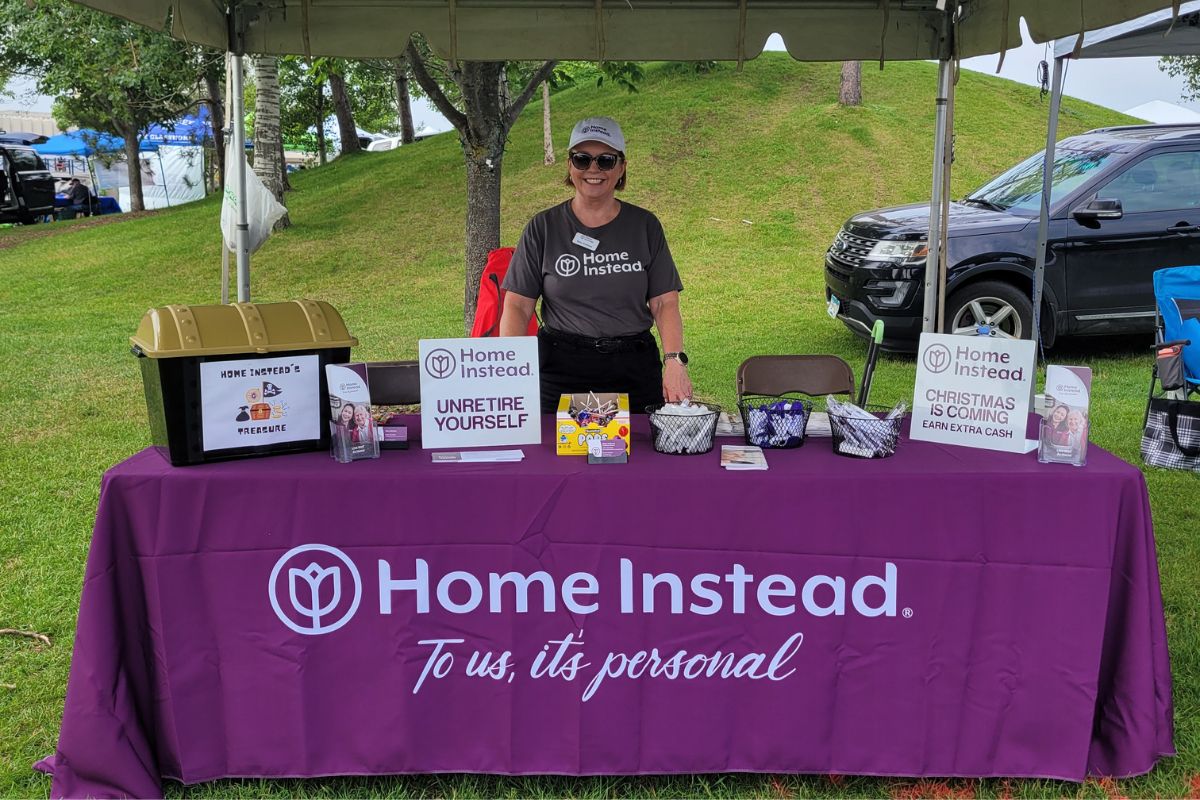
(1064,426)
(742,456)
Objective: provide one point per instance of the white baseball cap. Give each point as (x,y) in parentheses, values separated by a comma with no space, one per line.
(598,129)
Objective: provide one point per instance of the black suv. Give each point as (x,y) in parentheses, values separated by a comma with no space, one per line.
(1125,202)
(26,186)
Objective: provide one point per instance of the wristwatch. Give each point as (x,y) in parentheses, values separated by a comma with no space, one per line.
(680,357)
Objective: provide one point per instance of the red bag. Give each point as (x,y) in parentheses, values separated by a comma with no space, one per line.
(491,297)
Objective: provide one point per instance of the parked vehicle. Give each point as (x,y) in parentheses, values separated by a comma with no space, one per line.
(1125,201)
(26,186)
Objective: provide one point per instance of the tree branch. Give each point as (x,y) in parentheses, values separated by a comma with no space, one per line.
(433,91)
(518,105)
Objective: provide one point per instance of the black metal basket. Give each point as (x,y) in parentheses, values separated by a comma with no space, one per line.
(866,438)
(773,421)
(683,434)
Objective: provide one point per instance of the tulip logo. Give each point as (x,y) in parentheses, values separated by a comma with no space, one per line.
(566,265)
(937,358)
(440,363)
(314,589)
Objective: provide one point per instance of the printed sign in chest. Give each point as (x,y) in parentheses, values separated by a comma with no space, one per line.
(610,263)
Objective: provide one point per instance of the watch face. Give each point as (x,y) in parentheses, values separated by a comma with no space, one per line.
(683,359)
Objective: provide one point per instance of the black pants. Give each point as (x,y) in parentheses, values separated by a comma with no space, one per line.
(571,366)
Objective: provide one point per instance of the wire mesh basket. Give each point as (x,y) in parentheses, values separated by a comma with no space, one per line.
(774,422)
(875,437)
(683,434)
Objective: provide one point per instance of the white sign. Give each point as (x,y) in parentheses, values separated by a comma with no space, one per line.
(480,392)
(260,401)
(973,391)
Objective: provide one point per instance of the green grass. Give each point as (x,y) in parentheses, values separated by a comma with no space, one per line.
(751,173)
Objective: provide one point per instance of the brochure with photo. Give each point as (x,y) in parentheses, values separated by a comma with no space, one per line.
(1064,426)
(740,456)
(353,432)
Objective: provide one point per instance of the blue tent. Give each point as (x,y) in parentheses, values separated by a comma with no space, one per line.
(190,130)
(85,143)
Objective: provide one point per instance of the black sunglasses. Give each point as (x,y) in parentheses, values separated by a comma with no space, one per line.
(605,161)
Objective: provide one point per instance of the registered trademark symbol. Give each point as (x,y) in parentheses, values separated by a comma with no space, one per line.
(907,613)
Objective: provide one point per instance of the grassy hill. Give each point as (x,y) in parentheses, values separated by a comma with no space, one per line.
(751,173)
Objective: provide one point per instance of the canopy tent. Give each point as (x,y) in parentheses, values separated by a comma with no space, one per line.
(174,175)
(1169,32)
(724,30)
(188,130)
(83,143)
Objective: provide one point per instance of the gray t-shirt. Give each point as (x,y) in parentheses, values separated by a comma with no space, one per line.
(596,292)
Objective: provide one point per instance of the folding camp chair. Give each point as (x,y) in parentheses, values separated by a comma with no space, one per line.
(813,375)
(1177,333)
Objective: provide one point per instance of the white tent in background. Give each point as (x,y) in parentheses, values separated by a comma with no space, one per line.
(1160,112)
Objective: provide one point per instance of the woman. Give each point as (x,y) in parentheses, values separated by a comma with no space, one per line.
(1056,427)
(1077,432)
(362,430)
(605,274)
(345,417)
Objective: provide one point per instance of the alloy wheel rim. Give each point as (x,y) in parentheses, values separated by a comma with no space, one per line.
(988,316)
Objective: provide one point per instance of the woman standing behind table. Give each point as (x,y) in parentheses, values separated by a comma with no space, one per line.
(605,275)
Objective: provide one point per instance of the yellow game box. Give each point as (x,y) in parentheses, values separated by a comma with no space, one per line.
(572,437)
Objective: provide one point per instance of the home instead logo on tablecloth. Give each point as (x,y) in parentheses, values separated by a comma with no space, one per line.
(317,596)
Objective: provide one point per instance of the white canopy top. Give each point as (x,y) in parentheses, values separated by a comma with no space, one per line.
(1144,36)
(684,30)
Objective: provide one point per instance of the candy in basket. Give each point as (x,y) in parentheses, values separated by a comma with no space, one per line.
(864,433)
(683,428)
(776,422)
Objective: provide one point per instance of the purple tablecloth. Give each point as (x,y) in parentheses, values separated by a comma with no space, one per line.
(947,612)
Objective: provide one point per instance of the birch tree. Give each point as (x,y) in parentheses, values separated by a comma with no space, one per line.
(547,137)
(268,140)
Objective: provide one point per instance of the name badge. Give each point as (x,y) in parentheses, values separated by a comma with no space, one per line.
(585,241)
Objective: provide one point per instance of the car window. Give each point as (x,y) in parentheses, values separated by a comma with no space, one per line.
(25,160)
(1020,189)
(1163,182)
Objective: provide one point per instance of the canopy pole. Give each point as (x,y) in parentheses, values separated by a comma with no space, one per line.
(1039,269)
(931,318)
(944,211)
(239,147)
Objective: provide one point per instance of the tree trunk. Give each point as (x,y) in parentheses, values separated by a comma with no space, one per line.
(216,114)
(483,125)
(404,101)
(283,175)
(322,147)
(483,224)
(134,162)
(547,139)
(484,98)
(345,117)
(268,163)
(850,93)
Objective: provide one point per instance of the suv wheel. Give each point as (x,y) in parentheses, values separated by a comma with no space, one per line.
(990,308)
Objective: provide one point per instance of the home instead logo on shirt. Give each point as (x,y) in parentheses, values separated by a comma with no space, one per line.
(568,265)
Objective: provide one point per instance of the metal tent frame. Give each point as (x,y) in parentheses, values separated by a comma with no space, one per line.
(1169,32)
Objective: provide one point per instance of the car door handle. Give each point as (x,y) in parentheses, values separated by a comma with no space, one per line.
(1183,227)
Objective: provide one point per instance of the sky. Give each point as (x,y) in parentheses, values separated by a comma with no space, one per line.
(1118,83)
